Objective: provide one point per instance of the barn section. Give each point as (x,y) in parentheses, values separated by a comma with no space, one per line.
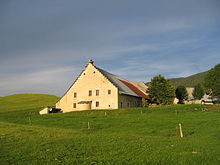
(96,88)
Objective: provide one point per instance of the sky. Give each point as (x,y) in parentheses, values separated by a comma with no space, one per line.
(45,44)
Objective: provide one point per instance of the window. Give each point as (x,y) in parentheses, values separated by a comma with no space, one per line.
(97,104)
(121,104)
(128,105)
(74,105)
(75,94)
(109,92)
(97,92)
(90,92)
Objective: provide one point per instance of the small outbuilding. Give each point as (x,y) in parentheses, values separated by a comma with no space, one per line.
(47,110)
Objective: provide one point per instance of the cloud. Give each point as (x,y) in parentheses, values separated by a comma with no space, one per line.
(44,43)
(44,81)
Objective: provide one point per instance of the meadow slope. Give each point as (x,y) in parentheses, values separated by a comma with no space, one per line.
(125,136)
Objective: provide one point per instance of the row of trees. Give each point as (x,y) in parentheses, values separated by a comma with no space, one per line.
(162,92)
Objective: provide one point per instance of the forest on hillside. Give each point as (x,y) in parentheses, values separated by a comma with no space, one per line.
(189,81)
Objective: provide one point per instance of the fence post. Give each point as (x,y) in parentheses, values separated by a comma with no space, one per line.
(88,125)
(181,131)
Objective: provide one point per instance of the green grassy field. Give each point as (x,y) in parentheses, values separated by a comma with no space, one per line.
(125,136)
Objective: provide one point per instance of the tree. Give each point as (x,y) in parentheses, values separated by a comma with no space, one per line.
(145,103)
(212,81)
(198,92)
(161,91)
(181,94)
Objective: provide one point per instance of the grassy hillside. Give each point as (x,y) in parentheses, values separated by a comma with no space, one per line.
(26,101)
(190,81)
(125,136)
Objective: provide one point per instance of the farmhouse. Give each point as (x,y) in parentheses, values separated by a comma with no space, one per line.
(95,88)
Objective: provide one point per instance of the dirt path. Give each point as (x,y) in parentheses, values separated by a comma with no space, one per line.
(211,107)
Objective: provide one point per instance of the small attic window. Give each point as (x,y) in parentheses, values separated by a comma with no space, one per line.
(94,72)
(84,73)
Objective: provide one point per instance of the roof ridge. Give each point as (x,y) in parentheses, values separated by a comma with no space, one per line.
(105,71)
(114,75)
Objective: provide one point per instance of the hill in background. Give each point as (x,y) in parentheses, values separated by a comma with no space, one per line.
(26,101)
(189,81)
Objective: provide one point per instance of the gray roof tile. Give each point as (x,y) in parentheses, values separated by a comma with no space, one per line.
(115,80)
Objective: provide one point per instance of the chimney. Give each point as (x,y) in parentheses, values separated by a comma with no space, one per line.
(90,62)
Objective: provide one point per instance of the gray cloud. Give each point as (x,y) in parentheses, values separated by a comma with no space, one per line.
(42,40)
(45,81)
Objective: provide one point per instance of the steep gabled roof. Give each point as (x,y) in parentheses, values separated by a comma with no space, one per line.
(125,86)
(116,81)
